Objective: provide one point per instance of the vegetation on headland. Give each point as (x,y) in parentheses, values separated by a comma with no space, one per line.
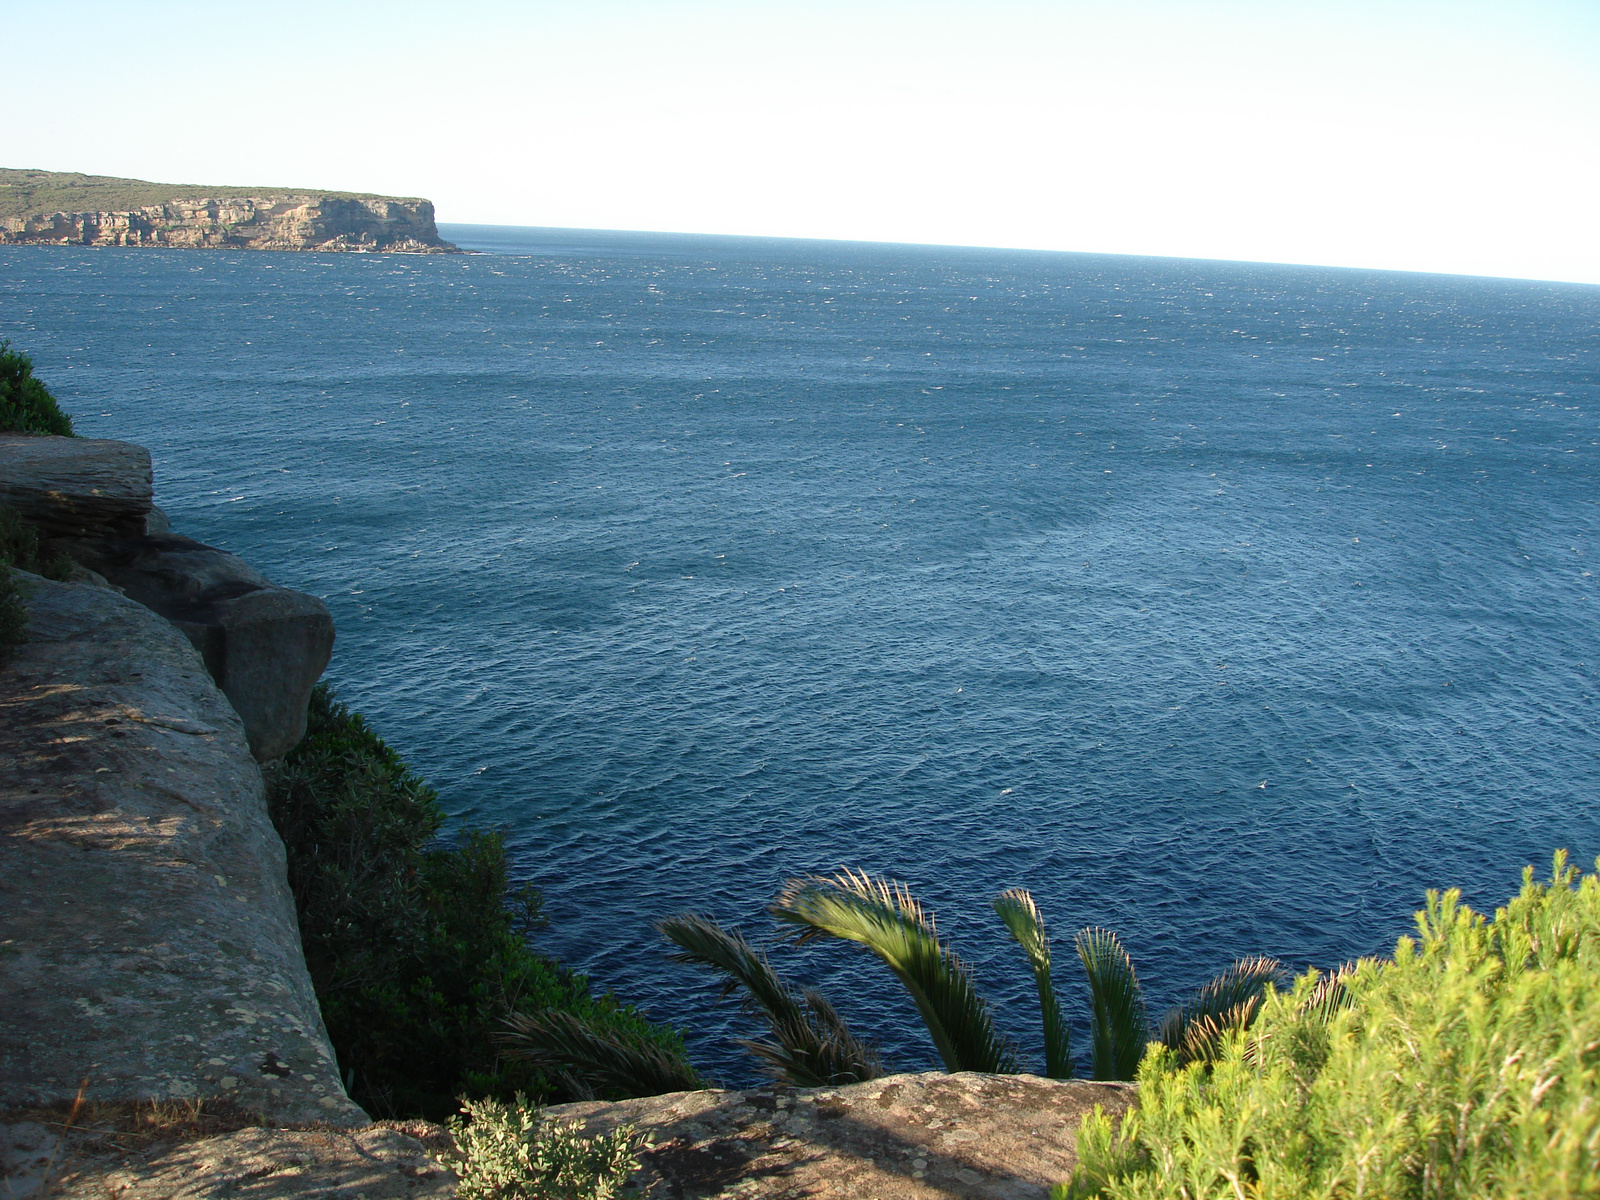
(27,193)
(1467,1065)
(417,946)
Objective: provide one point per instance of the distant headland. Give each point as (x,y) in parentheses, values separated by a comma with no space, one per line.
(60,208)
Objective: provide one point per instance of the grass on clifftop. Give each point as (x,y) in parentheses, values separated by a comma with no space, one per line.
(417,947)
(25,193)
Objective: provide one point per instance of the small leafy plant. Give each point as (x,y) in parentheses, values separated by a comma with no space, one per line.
(510,1152)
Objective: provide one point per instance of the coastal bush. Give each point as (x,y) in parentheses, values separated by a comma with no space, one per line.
(26,405)
(511,1152)
(21,547)
(1467,1065)
(417,946)
(13,615)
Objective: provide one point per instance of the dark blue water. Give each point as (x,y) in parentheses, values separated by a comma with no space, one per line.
(1229,606)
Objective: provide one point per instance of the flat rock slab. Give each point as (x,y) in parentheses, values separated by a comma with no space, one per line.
(76,487)
(903,1137)
(149,942)
(375,1163)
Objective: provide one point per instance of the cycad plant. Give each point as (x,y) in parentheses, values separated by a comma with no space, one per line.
(1194,1030)
(1020,915)
(883,916)
(594,1059)
(810,1045)
(1117,1017)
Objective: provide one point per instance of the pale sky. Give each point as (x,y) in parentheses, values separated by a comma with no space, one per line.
(1459,137)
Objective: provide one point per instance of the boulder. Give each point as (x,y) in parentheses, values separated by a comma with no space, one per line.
(76,487)
(149,948)
(903,1137)
(266,646)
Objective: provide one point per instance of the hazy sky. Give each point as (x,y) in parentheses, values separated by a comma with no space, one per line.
(1460,137)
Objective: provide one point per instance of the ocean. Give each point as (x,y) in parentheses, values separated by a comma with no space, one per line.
(1227,606)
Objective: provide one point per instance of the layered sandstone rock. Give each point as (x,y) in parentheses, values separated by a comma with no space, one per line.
(76,487)
(266,646)
(294,222)
(150,945)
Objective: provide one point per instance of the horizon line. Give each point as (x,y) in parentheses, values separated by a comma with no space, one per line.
(776,237)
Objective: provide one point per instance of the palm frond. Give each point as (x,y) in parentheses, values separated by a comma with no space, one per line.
(1330,994)
(811,1046)
(1195,1029)
(596,1062)
(705,942)
(883,916)
(1117,1017)
(1022,920)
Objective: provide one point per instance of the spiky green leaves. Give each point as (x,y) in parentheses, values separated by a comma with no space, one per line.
(1021,918)
(811,1045)
(1194,1030)
(1117,1014)
(594,1059)
(883,916)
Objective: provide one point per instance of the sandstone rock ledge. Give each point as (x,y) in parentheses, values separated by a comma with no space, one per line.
(380,1162)
(149,942)
(903,1137)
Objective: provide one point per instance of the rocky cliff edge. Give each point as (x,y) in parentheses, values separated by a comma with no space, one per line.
(161,1035)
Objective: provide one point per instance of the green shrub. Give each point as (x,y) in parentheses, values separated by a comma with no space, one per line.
(13,615)
(19,547)
(26,405)
(417,947)
(1466,1066)
(508,1152)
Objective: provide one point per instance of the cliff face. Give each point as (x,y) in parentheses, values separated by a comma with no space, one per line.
(150,943)
(243,223)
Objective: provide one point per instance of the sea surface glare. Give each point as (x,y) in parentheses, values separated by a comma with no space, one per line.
(1227,606)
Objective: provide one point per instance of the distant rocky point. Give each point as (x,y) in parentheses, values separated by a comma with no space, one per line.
(68,209)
